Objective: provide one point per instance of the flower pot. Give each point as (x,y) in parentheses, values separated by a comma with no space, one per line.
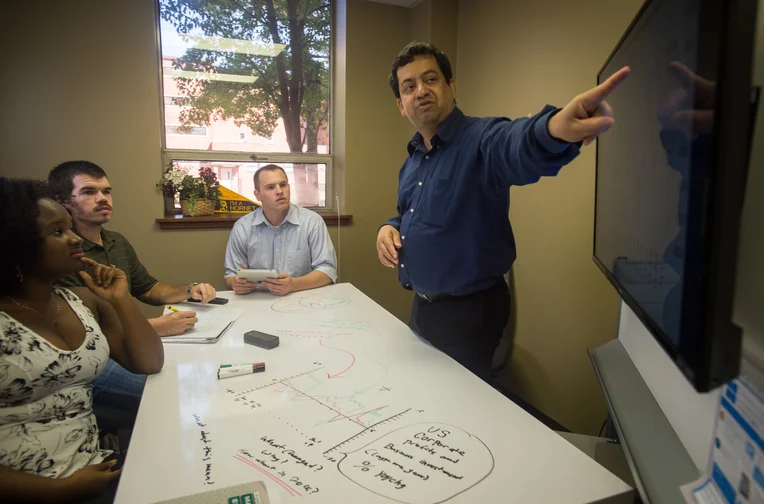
(169,205)
(200,208)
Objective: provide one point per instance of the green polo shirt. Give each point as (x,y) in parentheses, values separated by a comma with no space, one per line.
(116,250)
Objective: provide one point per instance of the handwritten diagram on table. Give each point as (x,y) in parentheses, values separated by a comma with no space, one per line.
(351,408)
(343,421)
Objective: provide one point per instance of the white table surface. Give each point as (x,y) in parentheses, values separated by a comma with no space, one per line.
(352,407)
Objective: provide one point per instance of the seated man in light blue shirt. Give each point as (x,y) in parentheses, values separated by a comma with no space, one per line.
(280,236)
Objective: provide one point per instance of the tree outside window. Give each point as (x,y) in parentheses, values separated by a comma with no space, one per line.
(256,75)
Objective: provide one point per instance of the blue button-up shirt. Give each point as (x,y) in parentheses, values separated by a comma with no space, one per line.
(297,246)
(453,200)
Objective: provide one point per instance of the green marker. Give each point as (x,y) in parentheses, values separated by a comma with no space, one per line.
(249,364)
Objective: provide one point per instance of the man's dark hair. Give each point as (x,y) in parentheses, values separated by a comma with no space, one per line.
(61,178)
(268,167)
(408,54)
(19,232)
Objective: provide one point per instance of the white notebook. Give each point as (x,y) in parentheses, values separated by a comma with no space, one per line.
(213,323)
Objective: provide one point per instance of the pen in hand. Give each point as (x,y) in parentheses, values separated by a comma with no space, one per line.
(173,309)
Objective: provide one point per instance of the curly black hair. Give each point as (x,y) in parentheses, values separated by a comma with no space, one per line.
(61,178)
(19,233)
(408,54)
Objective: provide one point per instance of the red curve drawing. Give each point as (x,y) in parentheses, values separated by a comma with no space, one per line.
(337,375)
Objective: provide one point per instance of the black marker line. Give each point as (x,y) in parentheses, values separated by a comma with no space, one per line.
(389,419)
(319,402)
(278,381)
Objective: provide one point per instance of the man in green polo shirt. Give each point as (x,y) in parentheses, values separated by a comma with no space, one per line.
(83,189)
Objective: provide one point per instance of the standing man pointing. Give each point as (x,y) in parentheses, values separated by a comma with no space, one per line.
(451,240)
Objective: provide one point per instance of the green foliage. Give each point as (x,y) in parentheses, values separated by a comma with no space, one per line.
(177,180)
(293,85)
(170,182)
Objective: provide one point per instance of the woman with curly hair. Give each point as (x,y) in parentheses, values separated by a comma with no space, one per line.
(53,342)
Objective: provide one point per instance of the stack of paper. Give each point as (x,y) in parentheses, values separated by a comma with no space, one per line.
(213,322)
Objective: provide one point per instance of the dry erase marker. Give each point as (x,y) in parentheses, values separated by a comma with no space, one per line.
(229,372)
(172,309)
(247,365)
(243,364)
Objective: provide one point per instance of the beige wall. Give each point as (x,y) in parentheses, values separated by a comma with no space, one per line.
(515,57)
(421,28)
(444,32)
(376,147)
(437,22)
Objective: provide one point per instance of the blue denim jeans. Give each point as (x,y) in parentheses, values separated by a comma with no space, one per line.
(118,388)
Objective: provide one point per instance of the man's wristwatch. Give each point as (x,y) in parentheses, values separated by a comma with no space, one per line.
(188,289)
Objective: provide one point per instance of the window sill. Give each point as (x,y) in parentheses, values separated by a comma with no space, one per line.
(218,221)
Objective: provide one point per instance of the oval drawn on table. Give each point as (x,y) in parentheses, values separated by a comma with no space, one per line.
(424,463)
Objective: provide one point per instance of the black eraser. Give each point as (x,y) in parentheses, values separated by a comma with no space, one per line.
(261,340)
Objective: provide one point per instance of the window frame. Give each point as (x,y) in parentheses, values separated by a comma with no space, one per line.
(333,190)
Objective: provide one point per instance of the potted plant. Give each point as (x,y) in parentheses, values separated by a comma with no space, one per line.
(169,184)
(198,195)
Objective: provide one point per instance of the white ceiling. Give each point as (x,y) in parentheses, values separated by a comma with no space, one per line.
(400,3)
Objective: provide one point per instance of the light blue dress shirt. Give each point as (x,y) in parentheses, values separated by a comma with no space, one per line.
(299,245)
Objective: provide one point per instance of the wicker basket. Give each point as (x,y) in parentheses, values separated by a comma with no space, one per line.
(202,207)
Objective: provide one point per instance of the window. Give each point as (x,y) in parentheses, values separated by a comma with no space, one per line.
(307,180)
(183,130)
(224,68)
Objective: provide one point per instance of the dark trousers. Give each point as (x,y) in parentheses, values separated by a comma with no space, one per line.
(467,328)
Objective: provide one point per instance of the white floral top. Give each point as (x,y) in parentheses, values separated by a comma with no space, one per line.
(47,425)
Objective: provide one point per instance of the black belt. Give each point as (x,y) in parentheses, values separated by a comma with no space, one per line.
(433,297)
(438,297)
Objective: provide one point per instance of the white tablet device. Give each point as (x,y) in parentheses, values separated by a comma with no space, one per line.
(256,275)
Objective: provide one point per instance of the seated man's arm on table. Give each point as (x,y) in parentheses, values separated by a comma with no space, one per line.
(175,323)
(151,291)
(323,264)
(285,284)
(162,293)
(236,257)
